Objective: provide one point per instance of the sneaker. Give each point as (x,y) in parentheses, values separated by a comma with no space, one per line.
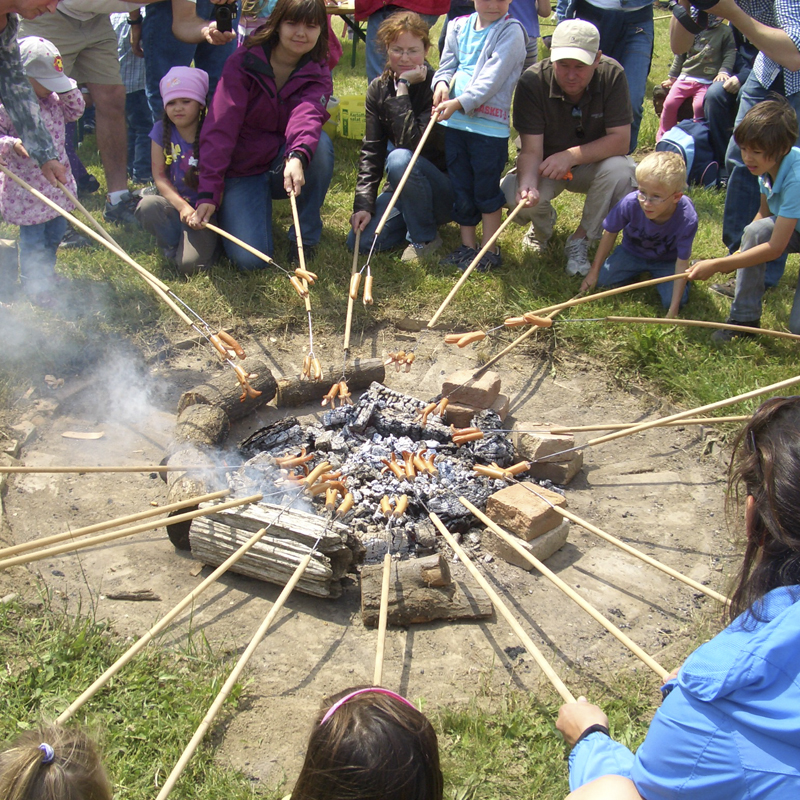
(73,240)
(309,251)
(489,260)
(122,212)
(145,191)
(461,255)
(724,336)
(725,289)
(88,184)
(416,251)
(534,243)
(577,253)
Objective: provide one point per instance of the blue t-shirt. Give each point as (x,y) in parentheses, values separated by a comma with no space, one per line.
(666,241)
(525,11)
(177,160)
(783,198)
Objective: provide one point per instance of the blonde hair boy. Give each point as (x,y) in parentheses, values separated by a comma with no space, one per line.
(663,168)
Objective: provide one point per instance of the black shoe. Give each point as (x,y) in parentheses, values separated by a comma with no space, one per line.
(489,261)
(461,257)
(122,212)
(73,240)
(723,336)
(309,251)
(725,289)
(88,184)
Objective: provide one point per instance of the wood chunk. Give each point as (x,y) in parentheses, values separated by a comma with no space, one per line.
(542,547)
(522,512)
(413,598)
(561,474)
(533,446)
(202,424)
(359,375)
(461,415)
(463,387)
(137,595)
(224,391)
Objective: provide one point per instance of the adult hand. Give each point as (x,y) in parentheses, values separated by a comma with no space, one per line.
(703,270)
(293,177)
(448,108)
(732,84)
(360,220)
(54,171)
(20,150)
(529,194)
(136,41)
(575,718)
(441,93)
(415,74)
(556,166)
(202,214)
(212,35)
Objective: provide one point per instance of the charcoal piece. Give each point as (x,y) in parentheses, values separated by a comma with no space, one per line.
(487,420)
(285,433)
(338,417)
(322,443)
(363,415)
(493,449)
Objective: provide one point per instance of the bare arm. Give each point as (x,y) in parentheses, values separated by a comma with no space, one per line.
(188,27)
(607,242)
(165,186)
(680,40)
(616,142)
(681,265)
(528,161)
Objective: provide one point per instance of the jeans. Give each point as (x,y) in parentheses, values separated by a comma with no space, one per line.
(246,210)
(623,267)
(376,59)
(164,51)
(140,122)
(743,197)
(425,203)
(719,109)
(626,36)
(37,253)
(750,281)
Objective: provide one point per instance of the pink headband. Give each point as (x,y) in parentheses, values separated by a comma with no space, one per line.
(374,690)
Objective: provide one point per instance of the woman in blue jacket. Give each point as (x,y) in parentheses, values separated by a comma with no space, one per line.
(729,726)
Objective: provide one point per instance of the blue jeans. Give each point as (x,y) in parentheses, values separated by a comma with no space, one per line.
(37,253)
(376,59)
(425,203)
(626,36)
(246,209)
(164,51)
(623,267)
(750,281)
(475,165)
(743,198)
(140,122)
(719,109)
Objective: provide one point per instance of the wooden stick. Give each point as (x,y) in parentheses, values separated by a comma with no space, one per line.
(468,271)
(230,237)
(568,590)
(112,523)
(351,300)
(97,226)
(113,469)
(158,627)
(621,426)
(698,323)
(232,679)
(108,537)
(502,609)
(301,255)
(382,619)
(773,387)
(401,185)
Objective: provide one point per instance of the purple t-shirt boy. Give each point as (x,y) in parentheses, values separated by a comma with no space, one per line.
(177,160)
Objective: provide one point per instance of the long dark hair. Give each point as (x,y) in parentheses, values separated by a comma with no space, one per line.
(311,12)
(192,176)
(765,465)
(374,747)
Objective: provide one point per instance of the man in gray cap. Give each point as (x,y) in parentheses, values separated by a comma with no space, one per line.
(573,114)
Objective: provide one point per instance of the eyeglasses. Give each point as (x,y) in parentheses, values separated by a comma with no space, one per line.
(646,198)
(398,52)
(578,114)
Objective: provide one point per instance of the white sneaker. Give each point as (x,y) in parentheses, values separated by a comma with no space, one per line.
(534,243)
(577,253)
(417,250)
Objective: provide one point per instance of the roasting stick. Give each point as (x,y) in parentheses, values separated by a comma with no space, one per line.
(95,224)
(234,676)
(383,615)
(621,426)
(350,302)
(568,590)
(250,249)
(20,470)
(108,537)
(111,523)
(502,609)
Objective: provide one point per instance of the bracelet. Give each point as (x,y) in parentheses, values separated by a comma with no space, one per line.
(591,729)
(134,21)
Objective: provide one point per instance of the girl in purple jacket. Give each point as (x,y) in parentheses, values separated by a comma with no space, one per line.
(263,138)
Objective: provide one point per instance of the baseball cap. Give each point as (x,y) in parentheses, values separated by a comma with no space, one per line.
(575,38)
(42,61)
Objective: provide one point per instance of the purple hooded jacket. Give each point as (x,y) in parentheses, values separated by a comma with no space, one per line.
(249,119)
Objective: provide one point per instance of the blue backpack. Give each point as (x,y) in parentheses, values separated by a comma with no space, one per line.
(690,140)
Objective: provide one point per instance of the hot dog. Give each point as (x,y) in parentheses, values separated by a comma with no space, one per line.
(470,338)
(355,281)
(368,291)
(232,343)
(298,286)
(533,319)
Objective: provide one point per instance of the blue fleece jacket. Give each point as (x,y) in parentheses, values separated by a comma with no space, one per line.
(730,727)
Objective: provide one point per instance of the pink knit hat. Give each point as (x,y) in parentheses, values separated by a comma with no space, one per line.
(187,83)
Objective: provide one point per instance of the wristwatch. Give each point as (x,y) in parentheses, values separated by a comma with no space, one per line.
(404,81)
(137,21)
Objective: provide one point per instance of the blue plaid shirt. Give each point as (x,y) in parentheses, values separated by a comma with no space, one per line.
(783,14)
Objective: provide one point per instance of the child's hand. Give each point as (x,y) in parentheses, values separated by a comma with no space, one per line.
(187,212)
(20,150)
(360,220)
(440,93)
(589,282)
(703,270)
(721,76)
(668,83)
(54,171)
(202,214)
(575,718)
(671,314)
(448,108)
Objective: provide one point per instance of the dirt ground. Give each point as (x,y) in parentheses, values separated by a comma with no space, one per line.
(661,491)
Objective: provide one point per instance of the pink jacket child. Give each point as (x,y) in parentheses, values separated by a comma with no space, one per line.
(41,228)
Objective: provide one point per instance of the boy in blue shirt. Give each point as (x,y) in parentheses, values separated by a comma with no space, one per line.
(483,57)
(765,136)
(658,223)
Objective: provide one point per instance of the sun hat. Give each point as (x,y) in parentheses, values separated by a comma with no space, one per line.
(42,61)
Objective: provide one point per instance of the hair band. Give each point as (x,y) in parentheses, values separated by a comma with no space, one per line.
(374,690)
(49,753)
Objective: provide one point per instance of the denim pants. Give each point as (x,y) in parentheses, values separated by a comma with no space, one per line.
(743,198)
(750,281)
(140,122)
(623,267)
(37,253)
(626,36)
(376,58)
(425,203)
(164,51)
(246,210)
(719,109)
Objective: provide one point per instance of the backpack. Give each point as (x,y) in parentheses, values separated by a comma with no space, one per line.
(690,140)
